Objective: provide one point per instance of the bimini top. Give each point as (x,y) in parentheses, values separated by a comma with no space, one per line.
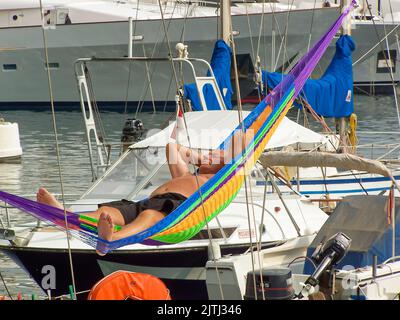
(208,129)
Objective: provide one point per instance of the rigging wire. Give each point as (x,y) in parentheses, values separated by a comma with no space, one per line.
(258,237)
(282,39)
(285,54)
(241,122)
(259,80)
(388,60)
(145,89)
(190,146)
(5,286)
(130,63)
(312,25)
(250,32)
(57,146)
(182,39)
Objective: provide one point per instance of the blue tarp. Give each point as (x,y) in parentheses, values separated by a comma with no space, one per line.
(364,220)
(221,66)
(332,94)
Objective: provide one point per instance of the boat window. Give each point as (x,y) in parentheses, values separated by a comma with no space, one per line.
(9,67)
(386,61)
(52,65)
(140,169)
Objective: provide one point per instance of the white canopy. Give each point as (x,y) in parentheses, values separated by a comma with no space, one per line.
(344,161)
(208,129)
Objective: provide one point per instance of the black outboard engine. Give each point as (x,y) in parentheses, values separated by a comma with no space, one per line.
(132,132)
(271,284)
(326,256)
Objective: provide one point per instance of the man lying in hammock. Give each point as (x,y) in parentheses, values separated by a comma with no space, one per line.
(135,217)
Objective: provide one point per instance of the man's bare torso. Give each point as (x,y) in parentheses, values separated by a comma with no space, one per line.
(185,185)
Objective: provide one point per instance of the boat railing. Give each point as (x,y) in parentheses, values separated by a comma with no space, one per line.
(88,101)
(387,149)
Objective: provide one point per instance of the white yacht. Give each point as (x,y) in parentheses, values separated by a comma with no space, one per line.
(83,28)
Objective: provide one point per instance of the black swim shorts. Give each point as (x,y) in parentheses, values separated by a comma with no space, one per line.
(165,203)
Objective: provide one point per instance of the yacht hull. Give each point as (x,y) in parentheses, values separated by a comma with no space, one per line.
(184,277)
(24,77)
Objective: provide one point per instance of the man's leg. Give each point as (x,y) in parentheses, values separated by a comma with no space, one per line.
(44,196)
(144,220)
(113,212)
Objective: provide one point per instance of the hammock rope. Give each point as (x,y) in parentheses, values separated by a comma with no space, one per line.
(220,190)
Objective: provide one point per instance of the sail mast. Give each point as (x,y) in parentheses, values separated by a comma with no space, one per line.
(225,16)
(342,122)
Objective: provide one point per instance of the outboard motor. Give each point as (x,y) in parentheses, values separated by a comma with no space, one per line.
(132,132)
(271,284)
(326,256)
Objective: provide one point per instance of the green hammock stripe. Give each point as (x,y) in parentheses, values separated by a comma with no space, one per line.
(88,226)
(94,220)
(190,232)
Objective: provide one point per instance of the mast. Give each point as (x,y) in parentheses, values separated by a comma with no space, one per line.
(225,16)
(341,123)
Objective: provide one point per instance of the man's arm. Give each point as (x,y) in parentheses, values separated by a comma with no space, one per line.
(179,158)
(238,143)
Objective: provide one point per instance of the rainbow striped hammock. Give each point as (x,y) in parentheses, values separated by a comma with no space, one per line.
(215,195)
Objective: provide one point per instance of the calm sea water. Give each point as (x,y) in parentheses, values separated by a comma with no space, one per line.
(39,167)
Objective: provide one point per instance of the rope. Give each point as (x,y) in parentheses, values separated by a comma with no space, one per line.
(325,126)
(312,25)
(250,33)
(57,144)
(145,90)
(240,116)
(387,59)
(190,144)
(5,286)
(286,36)
(352,131)
(130,63)
(149,81)
(274,64)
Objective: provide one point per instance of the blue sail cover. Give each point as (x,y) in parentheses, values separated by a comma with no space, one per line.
(332,94)
(363,219)
(221,66)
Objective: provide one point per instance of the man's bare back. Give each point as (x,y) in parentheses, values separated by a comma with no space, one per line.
(185,185)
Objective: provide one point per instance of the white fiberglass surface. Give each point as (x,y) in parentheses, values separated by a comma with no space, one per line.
(138,173)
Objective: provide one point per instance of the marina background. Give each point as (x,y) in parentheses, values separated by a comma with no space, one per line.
(38,165)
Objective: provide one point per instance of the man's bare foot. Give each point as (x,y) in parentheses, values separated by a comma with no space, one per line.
(105,229)
(43,196)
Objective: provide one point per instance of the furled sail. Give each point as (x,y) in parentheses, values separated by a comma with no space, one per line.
(219,191)
(221,66)
(332,94)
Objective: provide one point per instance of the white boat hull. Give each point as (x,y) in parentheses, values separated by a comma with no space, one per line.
(10,146)
(24,80)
